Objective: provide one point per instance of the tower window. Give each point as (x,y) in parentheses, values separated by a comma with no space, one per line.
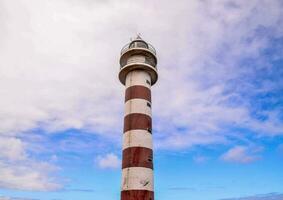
(149,130)
(148,82)
(148,104)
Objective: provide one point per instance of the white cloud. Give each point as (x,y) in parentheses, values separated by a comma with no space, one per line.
(19,171)
(28,175)
(270,196)
(5,198)
(15,198)
(65,72)
(12,148)
(109,161)
(241,154)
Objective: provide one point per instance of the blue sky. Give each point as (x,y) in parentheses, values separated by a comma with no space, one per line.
(217,107)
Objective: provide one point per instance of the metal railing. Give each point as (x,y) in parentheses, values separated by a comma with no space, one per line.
(146,61)
(149,47)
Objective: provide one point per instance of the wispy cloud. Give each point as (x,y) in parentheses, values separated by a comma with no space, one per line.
(78,190)
(242,154)
(200,159)
(28,175)
(15,198)
(182,188)
(72,73)
(12,148)
(19,171)
(270,196)
(108,161)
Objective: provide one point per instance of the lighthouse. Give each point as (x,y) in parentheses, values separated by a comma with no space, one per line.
(138,73)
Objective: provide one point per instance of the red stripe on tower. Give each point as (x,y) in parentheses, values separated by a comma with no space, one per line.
(137,121)
(138,92)
(137,157)
(137,195)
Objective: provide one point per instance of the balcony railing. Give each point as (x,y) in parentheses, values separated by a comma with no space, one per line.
(147,60)
(147,46)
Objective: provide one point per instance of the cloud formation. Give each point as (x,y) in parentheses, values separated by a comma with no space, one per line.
(64,72)
(271,196)
(200,159)
(12,148)
(15,198)
(241,154)
(109,161)
(19,171)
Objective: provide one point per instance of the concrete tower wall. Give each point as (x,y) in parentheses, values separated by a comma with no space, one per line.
(137,164)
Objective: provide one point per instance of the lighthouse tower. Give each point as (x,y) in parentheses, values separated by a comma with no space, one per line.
(138,73)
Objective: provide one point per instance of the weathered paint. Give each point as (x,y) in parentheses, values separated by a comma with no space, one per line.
(137,178)
(137,138)
(137,121)
(139,92)
(137,195)
(138,77)
(136,59)
(138,106)
(137,157)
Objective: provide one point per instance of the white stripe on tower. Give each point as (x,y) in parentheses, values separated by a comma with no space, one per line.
(138,106)
(138,77)
(137,138)
(139,178)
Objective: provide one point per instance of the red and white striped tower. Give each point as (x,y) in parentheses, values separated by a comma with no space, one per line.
(138,73)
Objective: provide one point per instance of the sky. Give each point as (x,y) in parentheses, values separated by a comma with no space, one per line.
(217,106)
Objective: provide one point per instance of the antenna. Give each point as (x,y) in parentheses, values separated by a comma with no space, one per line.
(139,36)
